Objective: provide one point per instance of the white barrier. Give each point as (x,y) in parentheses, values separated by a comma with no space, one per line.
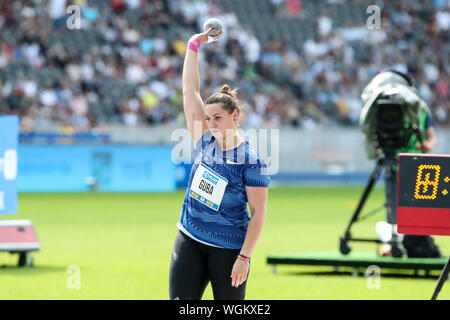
(332,151)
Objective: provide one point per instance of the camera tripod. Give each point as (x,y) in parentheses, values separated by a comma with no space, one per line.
(442,278)
(386,162)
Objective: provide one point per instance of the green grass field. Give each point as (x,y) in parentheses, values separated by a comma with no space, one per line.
(122,244)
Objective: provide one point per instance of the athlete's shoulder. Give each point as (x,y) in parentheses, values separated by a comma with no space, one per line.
(253,157)
(205,140)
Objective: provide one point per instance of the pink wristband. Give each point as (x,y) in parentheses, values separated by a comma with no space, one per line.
(194,44)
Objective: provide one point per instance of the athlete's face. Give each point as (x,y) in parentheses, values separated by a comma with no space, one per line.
(220,120)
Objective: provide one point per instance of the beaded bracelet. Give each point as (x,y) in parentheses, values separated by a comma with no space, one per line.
(244,257)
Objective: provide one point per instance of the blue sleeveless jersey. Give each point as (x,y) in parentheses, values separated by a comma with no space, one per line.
(226,226)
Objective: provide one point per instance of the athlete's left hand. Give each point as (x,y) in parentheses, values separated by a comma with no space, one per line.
(239,272)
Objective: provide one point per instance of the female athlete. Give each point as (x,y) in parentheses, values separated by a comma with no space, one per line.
(217,233)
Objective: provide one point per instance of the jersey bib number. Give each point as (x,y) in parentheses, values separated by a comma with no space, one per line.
(208,187)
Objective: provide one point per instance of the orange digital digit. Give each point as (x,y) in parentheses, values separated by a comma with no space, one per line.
(423,206)
(423,183)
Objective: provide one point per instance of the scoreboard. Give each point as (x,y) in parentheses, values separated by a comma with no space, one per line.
(9,138)
(423,206)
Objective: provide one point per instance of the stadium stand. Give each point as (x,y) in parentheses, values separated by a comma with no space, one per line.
(300,63)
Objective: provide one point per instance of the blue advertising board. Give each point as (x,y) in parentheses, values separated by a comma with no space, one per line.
(9,137)
(109,168)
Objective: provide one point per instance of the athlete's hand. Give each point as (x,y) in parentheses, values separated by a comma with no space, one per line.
(425,146)
(239,272)
(203,37)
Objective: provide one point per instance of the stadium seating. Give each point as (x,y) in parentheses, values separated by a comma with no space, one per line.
(104,56)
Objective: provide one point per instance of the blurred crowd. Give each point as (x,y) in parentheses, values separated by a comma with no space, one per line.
(131,75)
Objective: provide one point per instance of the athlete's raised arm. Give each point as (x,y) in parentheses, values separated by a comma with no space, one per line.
(192,101)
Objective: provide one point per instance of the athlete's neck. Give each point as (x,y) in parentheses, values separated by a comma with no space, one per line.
(230,141)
